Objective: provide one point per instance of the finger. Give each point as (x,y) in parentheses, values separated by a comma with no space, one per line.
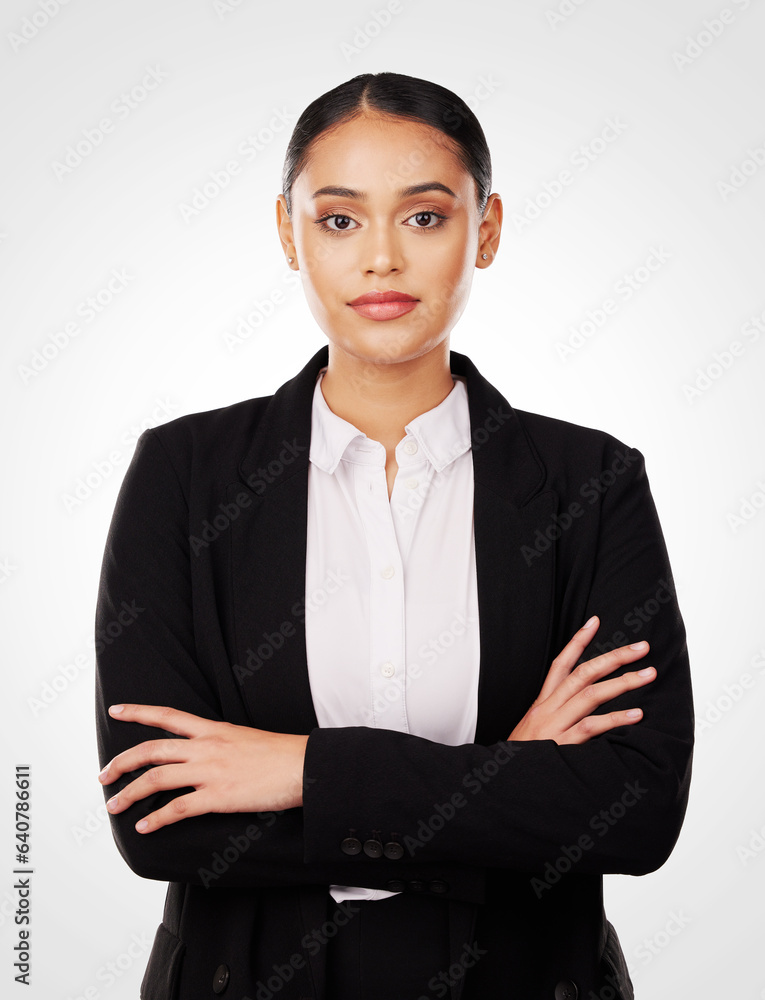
(163,717)
(596,725)
(595,695)
(156,779)
(594,670)
(568,657)
(142,754)
(181,807)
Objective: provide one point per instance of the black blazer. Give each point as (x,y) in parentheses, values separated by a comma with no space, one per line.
(200,608)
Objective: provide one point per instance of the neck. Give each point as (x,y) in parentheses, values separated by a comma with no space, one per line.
(380,399)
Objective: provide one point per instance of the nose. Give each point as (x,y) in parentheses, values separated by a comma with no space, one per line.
(382,252)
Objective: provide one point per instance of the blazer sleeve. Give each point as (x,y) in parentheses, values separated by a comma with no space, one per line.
(146,653)
(613,804)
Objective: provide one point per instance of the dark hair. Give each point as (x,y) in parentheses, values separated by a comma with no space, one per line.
(403,97)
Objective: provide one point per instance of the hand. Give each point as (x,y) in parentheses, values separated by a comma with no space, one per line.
(560,712)
(232,768)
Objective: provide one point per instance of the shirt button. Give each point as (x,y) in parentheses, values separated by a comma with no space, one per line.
(412,484)
(410,447)
(388,572)
(387,670)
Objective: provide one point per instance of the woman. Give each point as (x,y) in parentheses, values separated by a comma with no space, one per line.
(329,716)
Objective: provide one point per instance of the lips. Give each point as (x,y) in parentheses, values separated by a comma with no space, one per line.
(383,305)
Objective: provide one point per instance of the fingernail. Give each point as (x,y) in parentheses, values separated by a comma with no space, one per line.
(112,802)
(634,713)
(645,672)
(142,824)
(638,645)
(102,774)
(116,709)
(591,622)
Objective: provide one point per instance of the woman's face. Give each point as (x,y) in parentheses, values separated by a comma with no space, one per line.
(383,204)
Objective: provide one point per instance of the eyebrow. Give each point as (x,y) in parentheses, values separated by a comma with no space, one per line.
(407,192)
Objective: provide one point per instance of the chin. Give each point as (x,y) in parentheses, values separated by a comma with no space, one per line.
(388,346)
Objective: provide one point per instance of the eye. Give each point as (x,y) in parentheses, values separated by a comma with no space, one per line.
(343,223)
(427,220)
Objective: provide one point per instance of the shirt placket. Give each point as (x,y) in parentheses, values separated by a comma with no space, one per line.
(386,590)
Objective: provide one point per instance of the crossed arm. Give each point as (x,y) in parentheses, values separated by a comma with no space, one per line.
(193,765)
(236,769)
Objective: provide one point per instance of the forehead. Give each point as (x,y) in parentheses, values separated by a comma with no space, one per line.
(385,152)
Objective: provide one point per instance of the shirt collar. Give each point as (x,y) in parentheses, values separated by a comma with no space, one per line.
(443,432)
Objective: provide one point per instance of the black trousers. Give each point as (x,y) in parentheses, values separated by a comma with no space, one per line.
(395,948)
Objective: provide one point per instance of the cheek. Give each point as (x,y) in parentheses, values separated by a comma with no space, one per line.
(455,272)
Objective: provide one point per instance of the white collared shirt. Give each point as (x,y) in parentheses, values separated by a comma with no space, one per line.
(391,598)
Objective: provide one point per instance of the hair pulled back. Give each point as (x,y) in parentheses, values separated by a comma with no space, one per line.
(403,97)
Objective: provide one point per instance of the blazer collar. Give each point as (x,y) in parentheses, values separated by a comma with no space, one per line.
(503,458)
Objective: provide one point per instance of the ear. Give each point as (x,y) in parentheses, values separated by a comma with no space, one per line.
(284,228)
(489,231)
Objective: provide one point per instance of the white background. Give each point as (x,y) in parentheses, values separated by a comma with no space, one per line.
(542,88)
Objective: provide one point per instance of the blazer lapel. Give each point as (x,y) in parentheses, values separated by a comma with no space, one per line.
(268,550)
(515,593)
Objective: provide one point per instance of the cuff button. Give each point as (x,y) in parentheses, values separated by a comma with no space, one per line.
(393,850)
(351,845)
(373,847)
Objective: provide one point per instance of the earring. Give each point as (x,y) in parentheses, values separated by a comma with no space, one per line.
(290,259)
(485,256)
